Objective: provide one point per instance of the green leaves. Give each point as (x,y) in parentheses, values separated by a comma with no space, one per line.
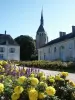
(51,98)
(27,46)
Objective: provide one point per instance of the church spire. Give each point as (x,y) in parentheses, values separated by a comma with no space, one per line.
(42,21)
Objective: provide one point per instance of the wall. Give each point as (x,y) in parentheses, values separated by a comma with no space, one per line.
(11,56)
(41,39)
(67,53)
(16,55)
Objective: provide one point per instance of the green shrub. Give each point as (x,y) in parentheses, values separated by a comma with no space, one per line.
(50,65)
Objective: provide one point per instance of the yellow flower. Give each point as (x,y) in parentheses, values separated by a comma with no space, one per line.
(57,77)
(51,77)
(34,81)
(21,79)
(64,74)
(43,78)
(1,87)
(40,74)
(72,84)
(32,75)
(0,62)
(30,88)
(51,80)
(15,96)
(41,95)
(50,91)
(0,67)
(4,63)
(33,94)
(43,84)
(18,89)
(61,79)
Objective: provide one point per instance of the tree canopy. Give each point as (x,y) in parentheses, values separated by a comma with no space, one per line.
(27,46)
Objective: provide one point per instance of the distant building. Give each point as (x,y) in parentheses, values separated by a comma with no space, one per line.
(41,36)
(9,49)
(62,48)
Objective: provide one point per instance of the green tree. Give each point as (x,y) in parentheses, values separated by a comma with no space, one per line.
(27,46)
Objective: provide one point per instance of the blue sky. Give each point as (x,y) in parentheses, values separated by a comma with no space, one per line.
(22,17)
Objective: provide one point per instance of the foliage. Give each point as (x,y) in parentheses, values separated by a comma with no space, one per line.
(34,57)
(18,83)
(27,46)
(50,65)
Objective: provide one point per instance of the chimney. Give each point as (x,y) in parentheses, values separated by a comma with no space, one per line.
(62,34)
(73,29)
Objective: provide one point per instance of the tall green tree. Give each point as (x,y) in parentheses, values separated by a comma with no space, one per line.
(27,46)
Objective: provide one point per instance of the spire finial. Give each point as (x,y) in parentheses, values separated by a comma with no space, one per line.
(42,12)
(42,17)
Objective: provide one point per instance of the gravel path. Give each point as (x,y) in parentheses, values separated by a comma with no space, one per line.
(71,76)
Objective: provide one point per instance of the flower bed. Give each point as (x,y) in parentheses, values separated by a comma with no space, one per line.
(18,83)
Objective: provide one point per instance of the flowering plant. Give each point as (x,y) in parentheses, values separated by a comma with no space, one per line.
(18,83)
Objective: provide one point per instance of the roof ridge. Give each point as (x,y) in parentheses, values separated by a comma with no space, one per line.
(59,39)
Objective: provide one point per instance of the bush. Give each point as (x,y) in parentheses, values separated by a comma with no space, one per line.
(34,57)
(50,65)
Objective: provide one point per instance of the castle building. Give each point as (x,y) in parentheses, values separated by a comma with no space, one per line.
(41,36)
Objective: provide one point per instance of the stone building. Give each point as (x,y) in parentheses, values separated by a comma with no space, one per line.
(61,48)
(9,49)
(41,36)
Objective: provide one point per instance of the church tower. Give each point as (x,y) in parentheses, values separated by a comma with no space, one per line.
(41,36)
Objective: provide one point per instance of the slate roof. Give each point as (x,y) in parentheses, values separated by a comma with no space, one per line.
(57,40)
(40,29)
(7,38)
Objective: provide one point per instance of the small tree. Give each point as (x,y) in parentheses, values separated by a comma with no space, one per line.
(27,46)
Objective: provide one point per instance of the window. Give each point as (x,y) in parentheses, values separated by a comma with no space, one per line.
(70,46)
(74,43)
(49,50)
(54,49)
(44,56)
(1,49)
(62,47)
(1,56)
(40,55)
(42,34)
(12,50)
